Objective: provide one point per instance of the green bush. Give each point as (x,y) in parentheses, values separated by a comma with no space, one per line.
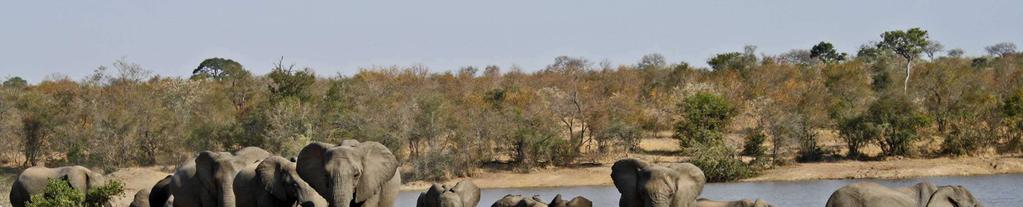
(705,117)
(897,121)
(719,165)
(59,193)
(754,145)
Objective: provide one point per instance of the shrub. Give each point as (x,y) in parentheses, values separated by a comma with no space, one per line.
(856,132)
(59,193)
(754,145)
(704,119)
(431,167)
(719,165)
(897,121)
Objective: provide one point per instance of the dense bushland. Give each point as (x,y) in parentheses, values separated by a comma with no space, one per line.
(450,122)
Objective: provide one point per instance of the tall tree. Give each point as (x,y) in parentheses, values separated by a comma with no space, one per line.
(826,52)
(908,44)
(1001,49)
(219,69)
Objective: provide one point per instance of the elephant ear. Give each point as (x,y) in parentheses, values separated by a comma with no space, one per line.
(952,196)
(378,166)
(269,172)
(205,167)
(626,176)
(923,191)
(558,202)
(310,166)
(469,192)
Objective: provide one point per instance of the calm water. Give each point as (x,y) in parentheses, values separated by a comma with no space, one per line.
(992,190)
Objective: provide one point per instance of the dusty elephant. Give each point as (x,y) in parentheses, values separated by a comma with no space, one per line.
(645,184)
(351,174)
(274,182)
(519,201)
(157,196)
(703,202)
(463,194)
(578,201)
(922,194)
(208,180)
(34,179)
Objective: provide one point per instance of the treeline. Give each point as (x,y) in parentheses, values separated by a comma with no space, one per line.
(572,111)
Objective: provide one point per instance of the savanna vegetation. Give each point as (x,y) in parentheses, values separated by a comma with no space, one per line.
(891,94)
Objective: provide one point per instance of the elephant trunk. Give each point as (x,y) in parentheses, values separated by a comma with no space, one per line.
(307,196)
(343,192)
(226,198)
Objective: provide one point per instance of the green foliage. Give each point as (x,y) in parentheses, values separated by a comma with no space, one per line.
(290,83)
(1012,108)
(719,164)
(705,116)
(826,52)
(908,44)
(857,132)
(58,193)
(15,82)
(897,121)
(219,69)
(754,145)
(741,62)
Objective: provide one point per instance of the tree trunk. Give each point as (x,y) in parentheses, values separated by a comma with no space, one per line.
(905,84)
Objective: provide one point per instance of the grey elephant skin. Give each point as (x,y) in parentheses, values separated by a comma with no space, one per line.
(157,196)
(34,179)
(646,184)
(351,174)
(274,182)
(463,194)
(208,179)
(920,195)
(519,201)
(703,202)
(578,201)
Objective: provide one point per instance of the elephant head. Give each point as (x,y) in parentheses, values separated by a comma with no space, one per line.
(216,171)
(465,193)
(952,196)
(644,184)
(160,193)
(703,202)
(352,173)
(578,201)
(278,178)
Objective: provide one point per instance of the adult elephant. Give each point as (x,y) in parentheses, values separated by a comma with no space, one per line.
(922,194)
(157,196)
(208,180)
(274,182)
(645,184)
(351,174)
(519,201)
(578,201)
(34,179)
(463,194)
(703,202)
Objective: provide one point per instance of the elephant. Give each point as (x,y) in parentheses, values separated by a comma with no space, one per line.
(923,194)
(578,201)
(274,182)
(351,174)
(703,202)
(33,181)
(157,196)
(645,184)
(208,179)
(519,201)
(464,194)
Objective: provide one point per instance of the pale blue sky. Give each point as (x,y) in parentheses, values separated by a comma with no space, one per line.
(38,38)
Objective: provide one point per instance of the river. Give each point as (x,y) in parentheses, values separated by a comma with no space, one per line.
(991,190)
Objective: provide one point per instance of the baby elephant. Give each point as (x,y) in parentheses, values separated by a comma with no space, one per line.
(464,194)
(157,196)
(578,201)
(274,182)
(703,202)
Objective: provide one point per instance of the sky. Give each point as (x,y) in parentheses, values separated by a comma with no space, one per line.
(170,38)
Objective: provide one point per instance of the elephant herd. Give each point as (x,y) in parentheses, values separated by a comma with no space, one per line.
(366,174)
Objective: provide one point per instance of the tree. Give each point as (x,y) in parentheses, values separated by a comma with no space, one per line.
(908,44)
(288,82)
(956,53)
(932,48)
(1001,49)
(219,69)
(741,62)
(825,52)
(15,82)
(897,122)
(705,117)
(654,60)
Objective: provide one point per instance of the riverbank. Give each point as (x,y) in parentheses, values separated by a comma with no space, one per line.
(888,169)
